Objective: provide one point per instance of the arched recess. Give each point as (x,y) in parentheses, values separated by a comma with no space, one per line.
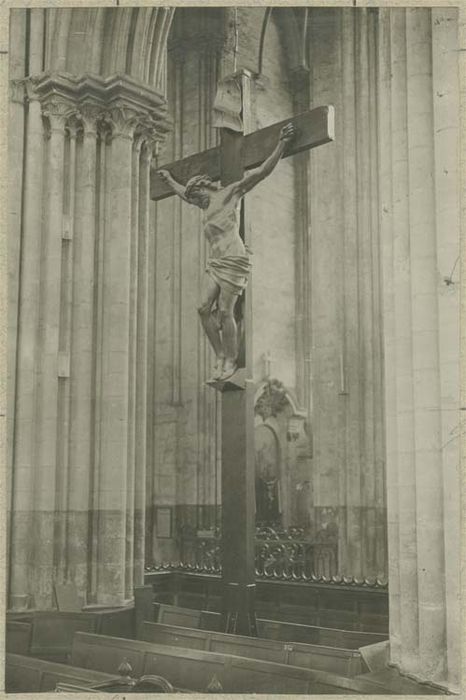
(268,465)
(276,411)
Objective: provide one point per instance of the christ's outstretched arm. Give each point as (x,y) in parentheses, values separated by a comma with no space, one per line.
(171,182)
(253,177)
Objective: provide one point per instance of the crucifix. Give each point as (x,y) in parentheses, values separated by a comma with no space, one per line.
(241,161)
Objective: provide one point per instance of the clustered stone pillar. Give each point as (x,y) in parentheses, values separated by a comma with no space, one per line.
(343,279)
(23,451)
(79,462)
(419,214)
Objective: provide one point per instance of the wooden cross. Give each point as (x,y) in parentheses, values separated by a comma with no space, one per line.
(227,163)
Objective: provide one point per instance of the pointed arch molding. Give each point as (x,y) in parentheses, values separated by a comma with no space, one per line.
(109,40)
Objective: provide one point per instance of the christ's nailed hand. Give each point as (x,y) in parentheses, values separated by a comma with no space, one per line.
(164,175)
(287,133)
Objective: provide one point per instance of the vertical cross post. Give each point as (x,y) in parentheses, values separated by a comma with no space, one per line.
(237,410)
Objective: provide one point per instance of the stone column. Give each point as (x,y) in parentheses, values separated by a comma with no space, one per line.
(425,353)
(386,157)
(344,277)
(114,387)
(74,444)
(418,103)
(45,482)
(142,414)
(24,448)
(64,346)
(17,118)
(303,255)
(82,370)
(130,487)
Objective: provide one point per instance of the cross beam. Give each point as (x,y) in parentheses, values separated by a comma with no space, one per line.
(313,128)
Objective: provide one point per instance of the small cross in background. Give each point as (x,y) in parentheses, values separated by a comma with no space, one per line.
(267,359)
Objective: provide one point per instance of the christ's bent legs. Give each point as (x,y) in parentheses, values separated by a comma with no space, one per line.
(226,304)
(210,293)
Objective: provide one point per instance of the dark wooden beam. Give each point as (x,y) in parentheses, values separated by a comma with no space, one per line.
(204,162)
(313,128)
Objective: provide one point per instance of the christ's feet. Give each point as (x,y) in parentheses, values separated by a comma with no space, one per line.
(229,368)
(218,371)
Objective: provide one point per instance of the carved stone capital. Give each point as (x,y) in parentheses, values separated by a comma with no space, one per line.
(73,126)
(119,103)
(30,88)
(91,115)
(57,111)
(17,91)
(122,121)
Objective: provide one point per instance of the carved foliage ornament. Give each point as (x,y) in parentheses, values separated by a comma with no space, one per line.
(272,401)
(119,104)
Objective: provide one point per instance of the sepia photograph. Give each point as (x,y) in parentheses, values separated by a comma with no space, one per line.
(233,349)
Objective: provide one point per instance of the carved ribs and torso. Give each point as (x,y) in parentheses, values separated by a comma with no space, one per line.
(228,264)
(221,225)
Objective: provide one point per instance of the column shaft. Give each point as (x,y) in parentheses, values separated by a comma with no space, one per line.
(82,370)
(24,450)
(27,354)
(45,473)
(423,243)
(403,326)
(386,233)
(141,368)
(132,366)
(113,454)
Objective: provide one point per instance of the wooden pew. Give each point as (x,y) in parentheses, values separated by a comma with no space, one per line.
(18,637)
(352,607)
(343,662)
(25,674)
(185,617)
(312,634)
(53,631)
(268,629)
(194,669)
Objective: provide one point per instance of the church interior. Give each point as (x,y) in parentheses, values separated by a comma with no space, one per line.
(299,533)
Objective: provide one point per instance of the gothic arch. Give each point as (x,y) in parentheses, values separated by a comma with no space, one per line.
(108,41)
(291,24)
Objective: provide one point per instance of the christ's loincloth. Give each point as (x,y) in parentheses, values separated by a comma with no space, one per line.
(230,272)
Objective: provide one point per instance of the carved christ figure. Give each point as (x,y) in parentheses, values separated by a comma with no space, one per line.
(228,266)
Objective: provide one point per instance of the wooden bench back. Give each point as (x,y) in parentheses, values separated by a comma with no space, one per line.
(26,674)
(18,637)
(344,662)
(174,615)
(53,631)
(269,629)
(310,634)
(194,668)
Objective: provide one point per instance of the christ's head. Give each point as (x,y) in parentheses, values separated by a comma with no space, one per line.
(198,190)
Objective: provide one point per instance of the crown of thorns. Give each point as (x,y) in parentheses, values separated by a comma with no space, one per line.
(195,183)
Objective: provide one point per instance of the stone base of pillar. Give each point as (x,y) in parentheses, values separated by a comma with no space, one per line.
(442,688)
